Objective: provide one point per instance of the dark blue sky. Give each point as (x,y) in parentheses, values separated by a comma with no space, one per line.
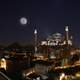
(48,16)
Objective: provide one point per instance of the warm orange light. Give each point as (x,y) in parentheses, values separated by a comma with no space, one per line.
(3,63)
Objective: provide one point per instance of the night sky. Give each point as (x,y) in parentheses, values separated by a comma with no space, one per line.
(47,16)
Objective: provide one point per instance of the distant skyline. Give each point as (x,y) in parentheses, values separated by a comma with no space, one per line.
(47,16)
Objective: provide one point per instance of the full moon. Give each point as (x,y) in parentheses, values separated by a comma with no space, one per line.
(23,21)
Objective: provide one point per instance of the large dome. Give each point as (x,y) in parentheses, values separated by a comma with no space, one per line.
(55,36)
(54,39)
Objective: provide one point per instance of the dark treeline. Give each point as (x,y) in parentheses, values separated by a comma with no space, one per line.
(18,47)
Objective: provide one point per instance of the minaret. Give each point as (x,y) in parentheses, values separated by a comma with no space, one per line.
(35,35)
(67,34)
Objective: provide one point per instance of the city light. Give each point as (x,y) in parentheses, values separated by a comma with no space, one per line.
(66,29)
(62,76)
(35,31)
(3,63)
